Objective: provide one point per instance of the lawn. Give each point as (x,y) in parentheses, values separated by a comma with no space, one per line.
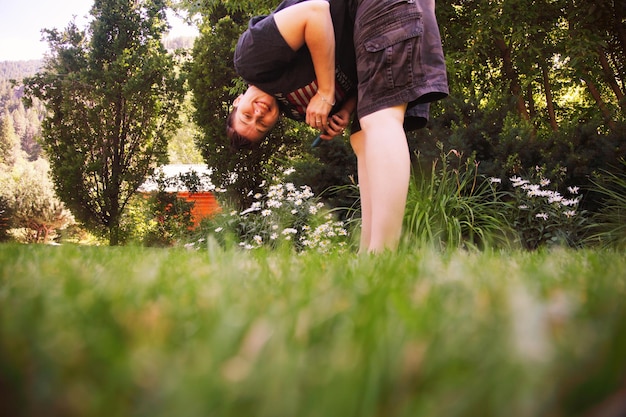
(129,331)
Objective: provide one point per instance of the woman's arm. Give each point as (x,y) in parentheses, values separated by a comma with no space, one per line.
(309,23)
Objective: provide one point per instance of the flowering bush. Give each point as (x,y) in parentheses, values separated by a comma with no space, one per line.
(545,216)
(285,215)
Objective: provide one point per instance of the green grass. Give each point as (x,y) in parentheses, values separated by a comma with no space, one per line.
(99,331)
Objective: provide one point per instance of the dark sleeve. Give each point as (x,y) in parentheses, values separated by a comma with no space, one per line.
(262,55)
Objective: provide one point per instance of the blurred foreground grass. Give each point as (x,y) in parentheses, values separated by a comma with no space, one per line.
(93,331)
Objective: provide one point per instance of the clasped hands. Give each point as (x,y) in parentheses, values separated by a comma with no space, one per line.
(317,116)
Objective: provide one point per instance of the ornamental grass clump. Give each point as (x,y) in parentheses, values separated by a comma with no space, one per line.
(544,216)
(286,215)
(608,225)
(453,206)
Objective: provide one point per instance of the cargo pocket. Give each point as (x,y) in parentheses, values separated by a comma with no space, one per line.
(394,53)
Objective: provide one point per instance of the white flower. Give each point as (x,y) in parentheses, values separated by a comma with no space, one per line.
(517,181)
(256,206)
(266,212)
(570,202)
(306,191)
(544,182)
(495,180)
(313,210)
(555,197)
(274,203)
(219,229)
(289,230)
(542,216)
(532,190)
(573,190)
(570,213)
(274,236)
(289,171)
(258,196)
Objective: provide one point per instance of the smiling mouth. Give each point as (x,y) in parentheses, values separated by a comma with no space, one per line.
(264,106)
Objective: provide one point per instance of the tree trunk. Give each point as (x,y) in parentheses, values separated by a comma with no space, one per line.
(593,90)
(511,77)
(532,109)
(549,101)
(114,234)
(116,171)
(620,14)
(609,75)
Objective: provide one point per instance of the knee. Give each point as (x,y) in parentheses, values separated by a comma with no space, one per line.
(357,142)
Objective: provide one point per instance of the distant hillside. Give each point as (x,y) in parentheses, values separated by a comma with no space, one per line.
(16,70)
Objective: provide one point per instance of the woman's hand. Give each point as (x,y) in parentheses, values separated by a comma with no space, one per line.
(317,111)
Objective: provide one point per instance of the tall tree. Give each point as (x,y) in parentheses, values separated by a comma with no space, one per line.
(113,94)
(9,142)
(598,50)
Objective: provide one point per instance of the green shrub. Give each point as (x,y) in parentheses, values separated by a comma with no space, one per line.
(608,225)
(453,206)
(157,219)
(5,215)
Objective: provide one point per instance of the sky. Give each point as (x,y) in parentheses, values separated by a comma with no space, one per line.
(21,22)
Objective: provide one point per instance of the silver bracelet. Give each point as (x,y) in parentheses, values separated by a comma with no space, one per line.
(325,100)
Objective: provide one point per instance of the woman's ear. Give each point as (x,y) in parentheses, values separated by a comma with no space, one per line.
(236,101)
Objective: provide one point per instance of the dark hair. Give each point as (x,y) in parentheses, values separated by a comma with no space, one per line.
(237,141)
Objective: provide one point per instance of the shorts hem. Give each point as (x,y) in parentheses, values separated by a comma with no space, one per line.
(414,96)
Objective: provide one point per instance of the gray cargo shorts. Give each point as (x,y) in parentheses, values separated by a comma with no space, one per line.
(399,57)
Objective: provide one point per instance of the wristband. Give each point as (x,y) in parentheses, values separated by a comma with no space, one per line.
(325,100)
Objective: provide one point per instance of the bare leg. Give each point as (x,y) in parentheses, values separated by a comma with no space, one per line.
(388,168)
(357,140)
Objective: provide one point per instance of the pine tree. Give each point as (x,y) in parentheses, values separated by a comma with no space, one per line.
(113,94)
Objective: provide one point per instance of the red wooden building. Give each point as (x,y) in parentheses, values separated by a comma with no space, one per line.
(205,203)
